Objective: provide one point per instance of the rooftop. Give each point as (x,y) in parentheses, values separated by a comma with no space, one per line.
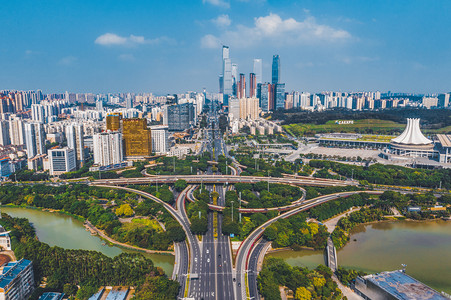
(51,296)
(402,286)
(11,270)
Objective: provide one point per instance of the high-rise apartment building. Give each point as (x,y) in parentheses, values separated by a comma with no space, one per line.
(4,133)
(180,117)
(113,121)
(61,161)
(257,70)
(34,139)
(248,108)
(107,148)
(74,136)
(37,113)
(137,138)
(443,100)
(252,85)
(17,280)
(160,139)
(275,69)
(16,131)
(234,109)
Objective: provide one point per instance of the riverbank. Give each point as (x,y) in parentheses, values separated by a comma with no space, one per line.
(94,230)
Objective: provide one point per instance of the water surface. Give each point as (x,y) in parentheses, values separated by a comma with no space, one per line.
(61,230)
(425,247)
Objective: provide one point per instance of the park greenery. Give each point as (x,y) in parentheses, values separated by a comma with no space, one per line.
(82,272)
(197,211)
(304,283)
(388,174)
(190,165)
(101,207)
(295,232)
(433,120)
(332,208)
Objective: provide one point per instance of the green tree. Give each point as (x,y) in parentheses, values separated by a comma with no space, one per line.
(303,294)
(180,185)
(124,210)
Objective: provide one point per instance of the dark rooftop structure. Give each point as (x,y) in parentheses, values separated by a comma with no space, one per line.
(394,285)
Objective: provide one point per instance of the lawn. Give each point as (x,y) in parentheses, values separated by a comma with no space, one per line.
(149,222)
(370,126)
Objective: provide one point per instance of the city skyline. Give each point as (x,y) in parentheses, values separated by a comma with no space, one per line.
(117,47)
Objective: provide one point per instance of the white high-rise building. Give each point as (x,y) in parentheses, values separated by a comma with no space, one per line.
(160,139)
(74,136)
(16,131)
(257,70)
(62,161)
(108,148)
(34,139)
(234,109)
(4,133)
(37,113)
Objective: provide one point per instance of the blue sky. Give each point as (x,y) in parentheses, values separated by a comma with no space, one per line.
(174,46)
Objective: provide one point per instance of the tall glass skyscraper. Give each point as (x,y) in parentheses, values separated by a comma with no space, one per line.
(275,69)
(258,70)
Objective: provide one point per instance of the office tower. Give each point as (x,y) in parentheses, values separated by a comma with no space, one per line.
(180,117)
(4,133)
(257,70)
(16,131)
(137,139)
(226,71)
(74,136)
(107,148)
(252,85)
(221,84)
(160,139)
(234,109)
(17,280)
(234,79)
(34,139)
(248,108)
(242,86)
(275,69)
(279,96)
(113,121)
(443,100)
(264,93)
(62,161)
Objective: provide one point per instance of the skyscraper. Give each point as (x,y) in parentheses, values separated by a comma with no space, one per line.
(252,85)
(279,96)
(113,121)
(74,136)
(4,133)
(180,117)
(34,139)
(234,79)
(242,86)
(264,94)
(107,148)
(275,69)
(160,139)
(257,70)
(137,138)
(16,131)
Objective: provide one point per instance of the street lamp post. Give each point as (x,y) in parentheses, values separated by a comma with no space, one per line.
(232,210)
(268,181)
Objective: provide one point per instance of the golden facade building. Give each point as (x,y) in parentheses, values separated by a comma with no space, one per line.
(137,138)
(113,122)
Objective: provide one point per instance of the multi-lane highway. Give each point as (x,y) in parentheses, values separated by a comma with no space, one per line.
(246,248)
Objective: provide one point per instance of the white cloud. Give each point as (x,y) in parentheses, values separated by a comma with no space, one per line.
(220,3)
(210,41)
(112,39)
(222,21)
(273,28)
(67,61)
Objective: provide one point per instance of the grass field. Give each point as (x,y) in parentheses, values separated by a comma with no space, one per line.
(361,126)
(148,222)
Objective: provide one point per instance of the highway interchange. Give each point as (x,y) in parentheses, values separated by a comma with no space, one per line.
(204,266)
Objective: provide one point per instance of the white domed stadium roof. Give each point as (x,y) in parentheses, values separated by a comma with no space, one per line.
(412,134)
